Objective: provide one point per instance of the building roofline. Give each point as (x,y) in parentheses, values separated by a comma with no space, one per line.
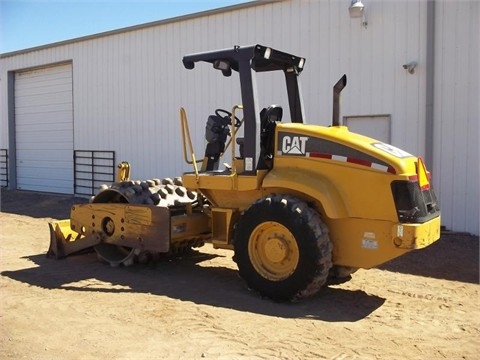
(141,26)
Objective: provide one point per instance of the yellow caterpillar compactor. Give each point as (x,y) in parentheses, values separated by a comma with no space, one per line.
(298,204)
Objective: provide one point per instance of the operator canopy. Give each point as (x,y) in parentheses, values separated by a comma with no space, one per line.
(261,58)
(247,60)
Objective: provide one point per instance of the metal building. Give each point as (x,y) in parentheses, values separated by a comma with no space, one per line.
(71,110)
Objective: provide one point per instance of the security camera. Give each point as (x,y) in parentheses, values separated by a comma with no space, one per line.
(410,67)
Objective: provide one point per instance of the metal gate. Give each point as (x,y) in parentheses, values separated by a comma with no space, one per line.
(92,168)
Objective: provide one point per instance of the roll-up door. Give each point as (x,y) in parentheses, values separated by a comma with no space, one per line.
(44,129)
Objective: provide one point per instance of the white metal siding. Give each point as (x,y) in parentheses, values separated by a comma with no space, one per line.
(457,113)
(129,86)
(44,129)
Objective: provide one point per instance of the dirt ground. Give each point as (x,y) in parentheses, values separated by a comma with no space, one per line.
(424,305)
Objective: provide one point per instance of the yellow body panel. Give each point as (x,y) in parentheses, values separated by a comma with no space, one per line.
(341,189)
(226,190)
(416,236)
(355,201)
(330,185)
(354,214)
(341,135)
(223,180)
(365,243)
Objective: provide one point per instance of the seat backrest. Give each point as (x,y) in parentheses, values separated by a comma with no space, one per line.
(273,113)
(268,120)
(216,132)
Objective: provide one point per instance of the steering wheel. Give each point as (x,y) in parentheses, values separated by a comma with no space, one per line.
(218,112)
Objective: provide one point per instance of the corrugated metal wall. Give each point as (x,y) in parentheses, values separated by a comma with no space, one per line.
(456,113)
(128,86)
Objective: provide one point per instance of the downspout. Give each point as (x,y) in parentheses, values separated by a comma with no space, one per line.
(429,91)
(12,142)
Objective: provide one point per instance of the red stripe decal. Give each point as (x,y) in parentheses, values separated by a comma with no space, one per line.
(380,167)
(322,156)
(359,162)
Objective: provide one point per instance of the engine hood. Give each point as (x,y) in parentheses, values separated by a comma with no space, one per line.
(337,143)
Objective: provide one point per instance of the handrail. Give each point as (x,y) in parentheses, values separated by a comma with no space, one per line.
(186,136)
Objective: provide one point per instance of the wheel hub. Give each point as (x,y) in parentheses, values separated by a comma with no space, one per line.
(273,251)
(108,226)
(276,249)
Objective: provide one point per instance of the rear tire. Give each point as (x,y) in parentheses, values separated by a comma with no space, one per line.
(282,248)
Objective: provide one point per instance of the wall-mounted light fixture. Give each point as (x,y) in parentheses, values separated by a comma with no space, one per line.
(357,10)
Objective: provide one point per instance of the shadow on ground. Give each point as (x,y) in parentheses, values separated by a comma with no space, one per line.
(187,280)
(454,257)
(37,204)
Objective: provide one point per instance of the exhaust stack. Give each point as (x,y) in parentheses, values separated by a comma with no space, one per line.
(337,89)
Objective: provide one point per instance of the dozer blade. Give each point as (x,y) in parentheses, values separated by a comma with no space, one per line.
(64,241)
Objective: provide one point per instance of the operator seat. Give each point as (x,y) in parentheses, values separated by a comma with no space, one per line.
(216,132)
(268,121)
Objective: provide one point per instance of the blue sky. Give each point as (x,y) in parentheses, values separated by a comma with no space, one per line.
(29,23)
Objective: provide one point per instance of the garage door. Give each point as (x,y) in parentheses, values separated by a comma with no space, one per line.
(44,129)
